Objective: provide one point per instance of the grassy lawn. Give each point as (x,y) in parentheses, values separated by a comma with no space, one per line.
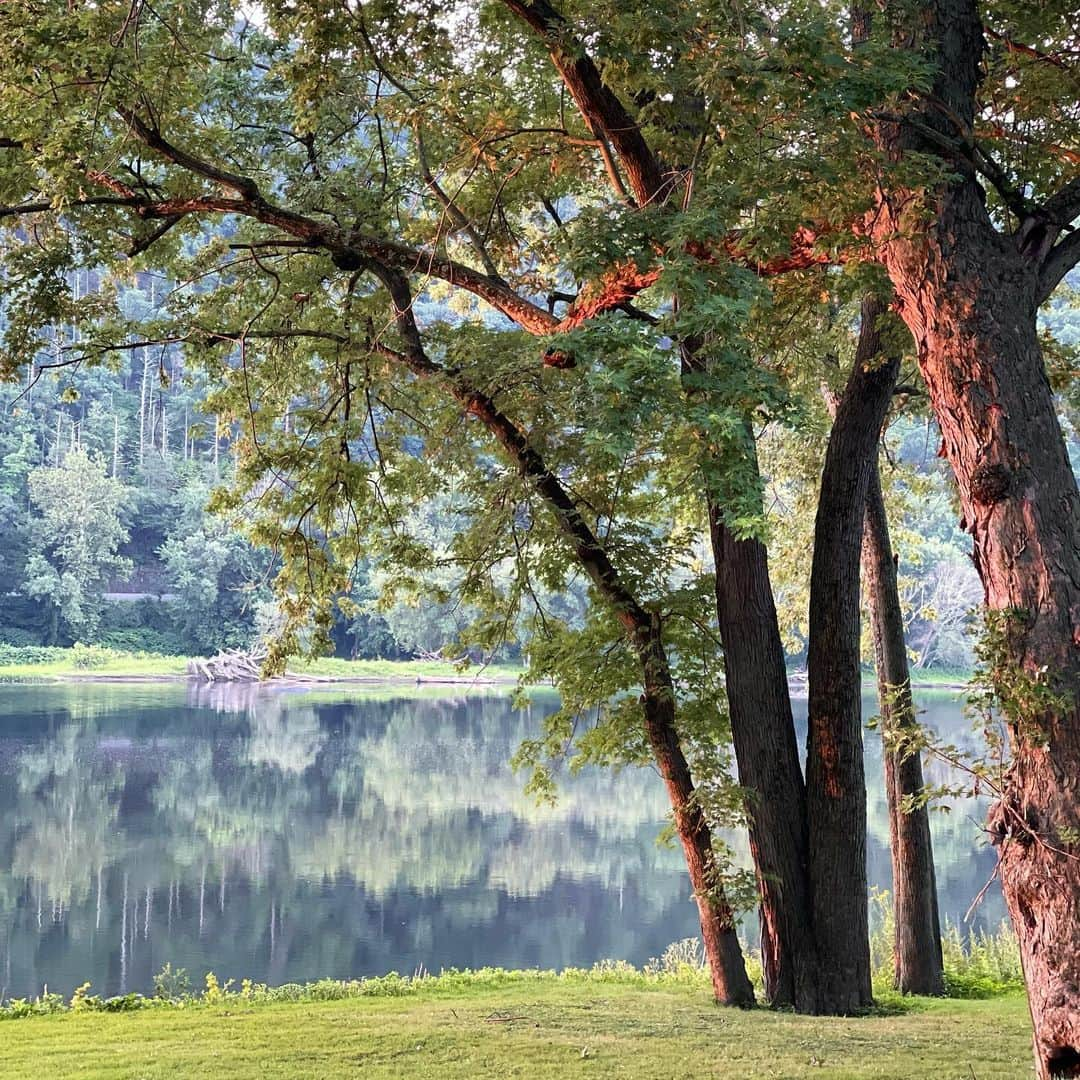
(536,1030)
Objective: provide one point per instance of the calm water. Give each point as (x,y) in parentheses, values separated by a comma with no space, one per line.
(289,835)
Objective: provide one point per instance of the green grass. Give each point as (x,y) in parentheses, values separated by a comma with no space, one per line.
(401,669)
(94,664)
(535,1026)
(91,662)
(944,678)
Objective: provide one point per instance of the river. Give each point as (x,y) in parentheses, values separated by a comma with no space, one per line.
(285,835)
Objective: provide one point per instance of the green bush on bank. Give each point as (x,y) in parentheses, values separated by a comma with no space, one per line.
(10,655)
(78,657)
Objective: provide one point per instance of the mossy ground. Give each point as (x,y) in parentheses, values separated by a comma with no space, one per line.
(538,1029)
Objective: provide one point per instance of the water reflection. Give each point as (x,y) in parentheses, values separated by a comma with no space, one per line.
(287,835)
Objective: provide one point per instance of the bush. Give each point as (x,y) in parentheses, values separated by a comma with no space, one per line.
(981,964)
(143,640)
(30,654)
(172,984)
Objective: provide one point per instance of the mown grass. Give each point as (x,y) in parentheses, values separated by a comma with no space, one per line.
(532,1026)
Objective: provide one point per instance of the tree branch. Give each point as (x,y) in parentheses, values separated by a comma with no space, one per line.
(604,114)
(1063,256)
(516,444)
(1050,239)
(244,186)
(453,211)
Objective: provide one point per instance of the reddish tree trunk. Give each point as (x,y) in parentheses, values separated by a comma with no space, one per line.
(731,985)
(767,756)
(970,299)
(969,294)
(917,944)
(835,778)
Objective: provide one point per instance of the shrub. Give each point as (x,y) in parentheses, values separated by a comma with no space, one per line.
(172,984)
(30,654)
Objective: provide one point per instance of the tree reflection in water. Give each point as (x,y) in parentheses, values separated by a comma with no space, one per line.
(287,835)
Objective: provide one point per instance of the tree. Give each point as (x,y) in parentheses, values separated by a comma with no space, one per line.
(917,957)
(973,250)
(412,119)
(215,574)
(75,537)
(834,773)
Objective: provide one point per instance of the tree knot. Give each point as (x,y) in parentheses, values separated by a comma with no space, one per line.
(990,483)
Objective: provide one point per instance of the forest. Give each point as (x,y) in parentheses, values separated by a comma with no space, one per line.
(645,345)
(130,445)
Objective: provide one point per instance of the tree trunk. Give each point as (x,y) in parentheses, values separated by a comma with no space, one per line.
(143,393)
(763,737)
(767,756)
(835,778)
(970,299)
(917,945)
(731,985)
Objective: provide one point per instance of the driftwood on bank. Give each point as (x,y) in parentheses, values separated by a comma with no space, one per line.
(240,666)
(231,665)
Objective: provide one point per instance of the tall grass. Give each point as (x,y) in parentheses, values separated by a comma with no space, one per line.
(978,964)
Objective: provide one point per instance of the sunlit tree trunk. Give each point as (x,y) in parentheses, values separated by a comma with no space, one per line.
(970,294)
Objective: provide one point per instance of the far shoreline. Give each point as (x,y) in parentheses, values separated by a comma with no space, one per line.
(84,664)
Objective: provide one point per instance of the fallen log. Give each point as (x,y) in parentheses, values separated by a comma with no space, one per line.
(230,665)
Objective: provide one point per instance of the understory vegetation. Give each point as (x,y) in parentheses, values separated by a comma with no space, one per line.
(981,965)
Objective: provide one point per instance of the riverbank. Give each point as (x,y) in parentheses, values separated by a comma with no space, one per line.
(523,1024)
(84,663)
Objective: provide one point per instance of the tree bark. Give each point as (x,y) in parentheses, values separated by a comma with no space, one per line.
(767,756)
(970,294)
(971,305)
(917,958)
(835,777)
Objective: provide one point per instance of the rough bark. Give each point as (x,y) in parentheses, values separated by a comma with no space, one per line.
(767,756)
(970,295)
(766,751)
(970,303)
(917,956)
(835,777)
